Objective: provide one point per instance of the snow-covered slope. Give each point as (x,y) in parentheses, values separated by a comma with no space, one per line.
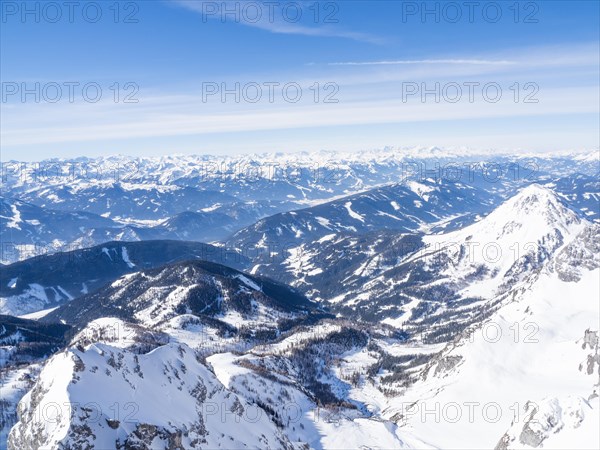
(198,288)
(453,278)
(143,201)
(23,344)
(527,377)
(466,311)
(107,397)
(512,242)
(48,281)
(407,206)
(28,230)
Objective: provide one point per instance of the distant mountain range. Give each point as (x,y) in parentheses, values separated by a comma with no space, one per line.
(48,281)
(363,304)
(209,198)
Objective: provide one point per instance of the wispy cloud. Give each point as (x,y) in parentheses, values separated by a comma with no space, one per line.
(486,62)
(572,55)
(182,116)
(271,18)
(364,101)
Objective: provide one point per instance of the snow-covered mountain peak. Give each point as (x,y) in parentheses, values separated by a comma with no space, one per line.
(538,201)
(534,208)
(517,238)
(528,217)
(120,334)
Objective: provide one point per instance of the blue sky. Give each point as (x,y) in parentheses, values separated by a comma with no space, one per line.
(365,55)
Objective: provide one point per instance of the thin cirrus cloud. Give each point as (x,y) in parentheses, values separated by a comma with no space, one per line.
(159,119)
(485,62)
(572,55)
(269,21)
(363,101)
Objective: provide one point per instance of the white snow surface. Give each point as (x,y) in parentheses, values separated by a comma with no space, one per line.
(166,388)
(529,351)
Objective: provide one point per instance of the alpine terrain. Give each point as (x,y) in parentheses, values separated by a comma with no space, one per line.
(416,299)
